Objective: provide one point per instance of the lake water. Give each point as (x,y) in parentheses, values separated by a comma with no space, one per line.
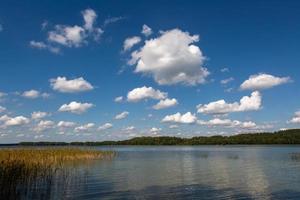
(188,172)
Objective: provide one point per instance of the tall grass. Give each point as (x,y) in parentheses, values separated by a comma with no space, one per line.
(24,170)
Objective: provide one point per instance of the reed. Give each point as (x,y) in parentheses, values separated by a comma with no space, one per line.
(23,169)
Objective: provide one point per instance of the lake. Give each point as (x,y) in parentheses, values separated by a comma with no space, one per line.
(186,172)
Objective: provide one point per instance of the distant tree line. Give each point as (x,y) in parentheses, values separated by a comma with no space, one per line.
(291,136)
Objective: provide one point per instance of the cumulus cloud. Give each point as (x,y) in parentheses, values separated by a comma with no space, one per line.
(14,121)
(39,115)
(165,103)
(247,103)
(33,94)
(263,81)
(225,69)
(122,115)
(172,58)
(296,118)
(71,35)
(105,126)
(144,92)
(44,125)
(62,84)
(65,124)
(85,127)
(130,42)
(146,30)
(118,99)
(187,118)
(75,107)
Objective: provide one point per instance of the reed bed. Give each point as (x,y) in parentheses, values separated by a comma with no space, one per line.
(23,170)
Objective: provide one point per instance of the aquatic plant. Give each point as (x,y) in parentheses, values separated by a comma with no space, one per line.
(22,170)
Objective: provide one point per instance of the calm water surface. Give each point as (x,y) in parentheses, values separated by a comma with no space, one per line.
(204,172)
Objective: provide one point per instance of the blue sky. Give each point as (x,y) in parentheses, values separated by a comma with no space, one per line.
(179,68)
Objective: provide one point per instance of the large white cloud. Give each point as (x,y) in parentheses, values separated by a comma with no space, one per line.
(130,42)
(165,103)
(171,58)
(105,126)
(75,107)
(296,118)
(263,81)
(122,115)
(14,121)
(62,84)
(76,35)
(247,103)
(187,118)
(44,125)
(141,93)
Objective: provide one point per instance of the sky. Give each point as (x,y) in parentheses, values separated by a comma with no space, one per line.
(113,70)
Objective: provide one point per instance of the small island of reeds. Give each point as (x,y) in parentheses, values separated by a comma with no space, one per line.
(23,169)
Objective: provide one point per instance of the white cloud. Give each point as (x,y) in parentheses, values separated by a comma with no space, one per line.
(118,99)
(62,84)
(85,127)
(75,107)
(33,94)
(146,30)
(39,115)
(38,45)
(70,36)
(247,103)
(225,81)
(2,109)
(65,124)
(171,58)
(44,125)
(105,126)
(14,121)
(165,103)
(155,130)
(296,118)
(89,17)
(130,42)
(141,93)
(122,115)
(129,128)
(228,123)
(187,118)
(173,126)
(263,81)
(42,45)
